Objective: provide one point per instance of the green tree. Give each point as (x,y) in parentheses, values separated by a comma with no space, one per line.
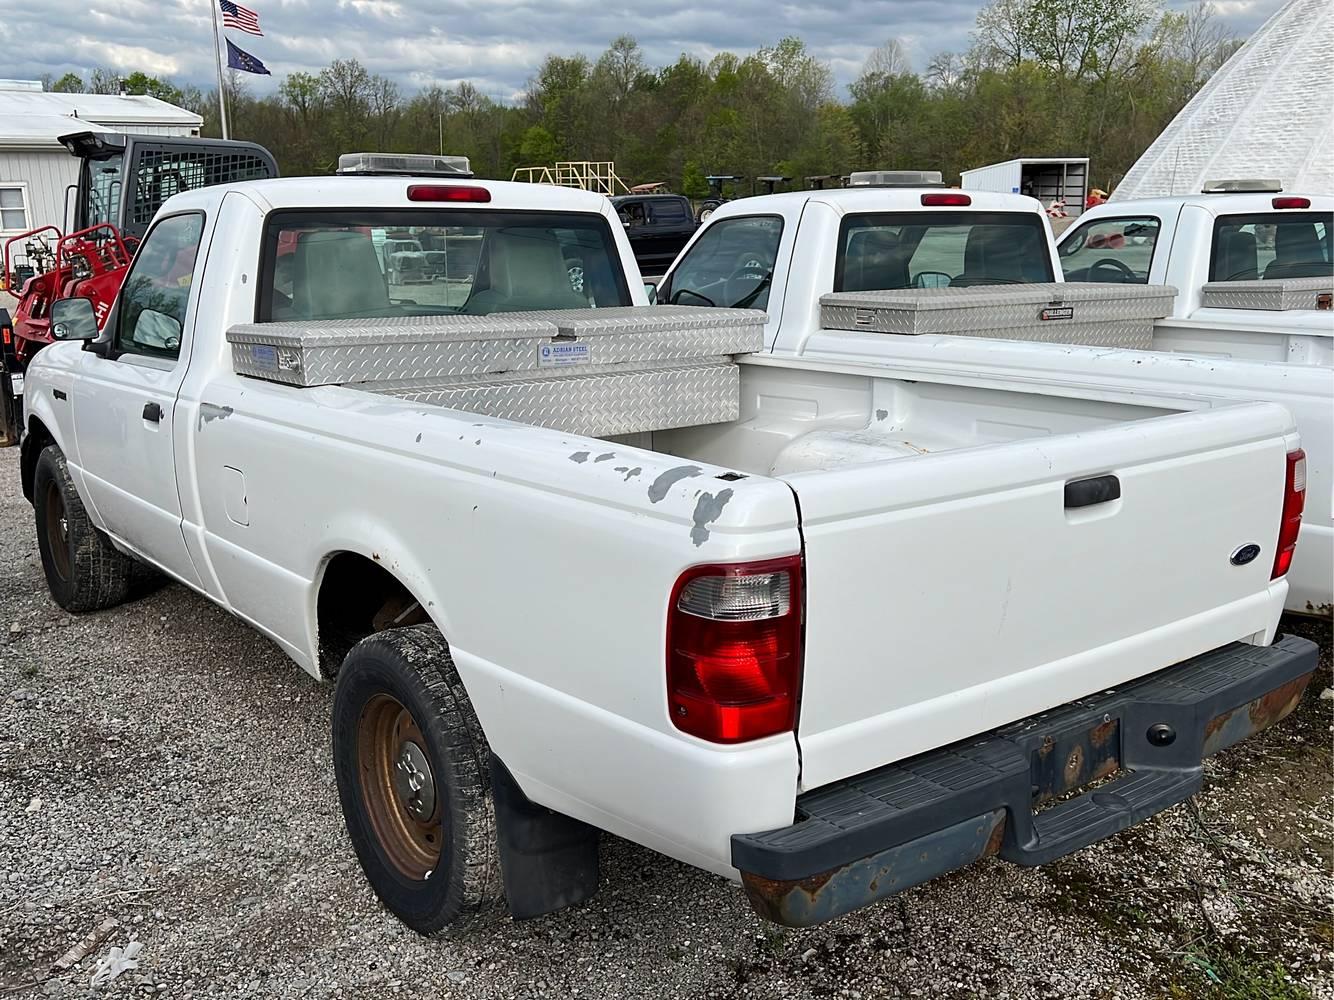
(538,147)
(693,184)
(70,83)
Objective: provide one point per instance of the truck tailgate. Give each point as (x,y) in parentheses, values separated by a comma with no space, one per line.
(950,594)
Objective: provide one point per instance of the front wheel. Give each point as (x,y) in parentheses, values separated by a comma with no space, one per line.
(84,571)
(414,780)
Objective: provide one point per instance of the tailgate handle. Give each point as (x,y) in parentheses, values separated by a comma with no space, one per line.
(1087,492)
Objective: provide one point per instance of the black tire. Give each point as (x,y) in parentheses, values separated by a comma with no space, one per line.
(84,571)
(410,670)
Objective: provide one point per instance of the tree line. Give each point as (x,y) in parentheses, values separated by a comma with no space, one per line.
(1097,78)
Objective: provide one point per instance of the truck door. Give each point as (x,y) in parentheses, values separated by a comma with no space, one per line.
(124,402)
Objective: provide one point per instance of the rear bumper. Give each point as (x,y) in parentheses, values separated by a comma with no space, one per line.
(1141,746)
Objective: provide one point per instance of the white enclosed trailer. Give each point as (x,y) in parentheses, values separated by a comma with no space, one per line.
(1045,178)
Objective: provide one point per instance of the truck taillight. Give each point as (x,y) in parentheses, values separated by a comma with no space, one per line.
(734,650)
(1294,500)
(1290,202)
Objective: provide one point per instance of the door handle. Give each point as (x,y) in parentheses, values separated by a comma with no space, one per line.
(152,412)
(1087,492)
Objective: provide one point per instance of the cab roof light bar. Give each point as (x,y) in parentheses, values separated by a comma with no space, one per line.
(403,165)
(1243,185)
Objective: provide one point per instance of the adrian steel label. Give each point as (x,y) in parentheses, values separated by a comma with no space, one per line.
(558,354)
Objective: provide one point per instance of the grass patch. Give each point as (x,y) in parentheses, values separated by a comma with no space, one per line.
(1218,974)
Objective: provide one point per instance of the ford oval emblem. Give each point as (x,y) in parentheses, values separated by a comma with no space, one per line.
(1245,554)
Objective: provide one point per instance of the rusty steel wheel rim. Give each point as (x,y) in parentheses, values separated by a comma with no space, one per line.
(398,787)
(57,530)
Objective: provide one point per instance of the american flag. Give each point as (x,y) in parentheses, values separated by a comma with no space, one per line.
(238,17)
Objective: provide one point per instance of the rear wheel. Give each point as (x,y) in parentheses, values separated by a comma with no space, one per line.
(414,779)
(84,571)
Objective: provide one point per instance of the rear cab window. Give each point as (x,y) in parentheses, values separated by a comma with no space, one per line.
(354,264)
(1111,249)
(940,249)
(1271,245)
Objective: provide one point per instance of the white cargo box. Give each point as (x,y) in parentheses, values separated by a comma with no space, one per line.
(1094,314)
(1275,294)
(588,371)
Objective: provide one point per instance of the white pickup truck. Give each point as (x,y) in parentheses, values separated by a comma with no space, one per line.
(801,247)
(831,680)
(1254,271)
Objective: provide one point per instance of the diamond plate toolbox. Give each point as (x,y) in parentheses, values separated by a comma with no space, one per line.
(1273,295)
(674,394)
(342,352)
(1091,314)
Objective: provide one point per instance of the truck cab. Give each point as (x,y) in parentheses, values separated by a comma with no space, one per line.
(1232,255)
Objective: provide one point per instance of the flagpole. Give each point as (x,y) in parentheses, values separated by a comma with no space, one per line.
(217,55)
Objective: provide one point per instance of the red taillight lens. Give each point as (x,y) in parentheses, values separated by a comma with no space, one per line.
(1291,203)
(447,192)
(1294,501)
(6,336)
(951,199)
(734,650)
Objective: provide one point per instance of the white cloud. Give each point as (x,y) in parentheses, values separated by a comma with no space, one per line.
(496,44)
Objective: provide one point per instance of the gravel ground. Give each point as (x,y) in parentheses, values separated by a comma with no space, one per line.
(164,767)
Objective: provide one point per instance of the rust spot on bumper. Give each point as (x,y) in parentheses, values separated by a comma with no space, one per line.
(812,900)
(1246,720)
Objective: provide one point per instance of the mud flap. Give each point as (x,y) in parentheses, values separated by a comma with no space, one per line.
(548,861)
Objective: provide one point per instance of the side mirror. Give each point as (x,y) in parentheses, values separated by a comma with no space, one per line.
(651,290)
(73,319)
(157,331)
(931,279)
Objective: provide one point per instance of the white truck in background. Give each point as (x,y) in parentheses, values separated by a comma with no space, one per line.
(1253,269)
(786,252)
(578,564)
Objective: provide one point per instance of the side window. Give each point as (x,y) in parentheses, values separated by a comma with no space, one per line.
(152,302)
(669,211)
(1110,250)
(731,264)
(632,213)
(939,257)
(588,265)
(13,207)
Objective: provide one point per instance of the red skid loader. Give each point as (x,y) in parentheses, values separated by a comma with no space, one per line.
(123,181)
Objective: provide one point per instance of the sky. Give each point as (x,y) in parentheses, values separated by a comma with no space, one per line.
(495,44)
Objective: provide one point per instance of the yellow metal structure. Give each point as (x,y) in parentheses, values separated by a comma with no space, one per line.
(587,175)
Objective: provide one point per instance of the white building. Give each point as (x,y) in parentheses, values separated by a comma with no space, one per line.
(36,171)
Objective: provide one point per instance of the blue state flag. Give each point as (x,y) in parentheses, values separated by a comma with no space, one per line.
(244,61)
